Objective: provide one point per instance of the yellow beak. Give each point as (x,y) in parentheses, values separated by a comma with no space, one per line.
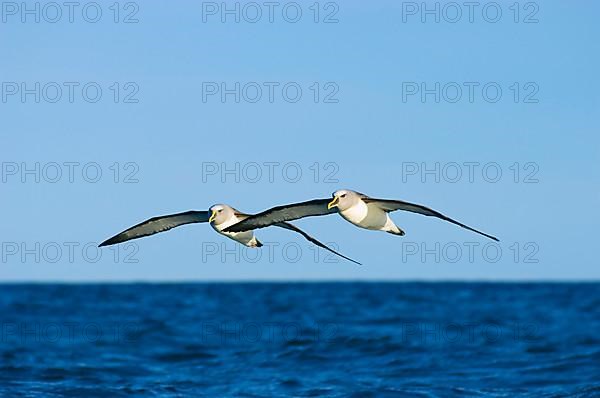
(333,203)
(212,216)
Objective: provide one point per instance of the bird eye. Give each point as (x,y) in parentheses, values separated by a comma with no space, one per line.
(220,210)
(343,196)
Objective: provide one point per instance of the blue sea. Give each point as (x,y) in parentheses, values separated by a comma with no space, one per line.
(300,339)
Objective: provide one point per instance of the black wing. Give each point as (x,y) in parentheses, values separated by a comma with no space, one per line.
(392,205)
(156,225)
(311,239)
(294,211)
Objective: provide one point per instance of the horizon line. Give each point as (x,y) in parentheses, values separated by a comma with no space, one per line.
(292,281)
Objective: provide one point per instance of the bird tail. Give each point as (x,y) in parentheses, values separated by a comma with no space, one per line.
(397,231)
(254,242)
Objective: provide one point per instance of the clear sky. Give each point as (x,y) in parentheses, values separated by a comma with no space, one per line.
(166,140)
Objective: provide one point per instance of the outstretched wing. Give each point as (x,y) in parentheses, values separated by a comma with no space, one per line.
(158,224)
(294,211)
(311,239)
(393,205)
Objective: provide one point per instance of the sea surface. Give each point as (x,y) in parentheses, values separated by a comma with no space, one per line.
(300,339)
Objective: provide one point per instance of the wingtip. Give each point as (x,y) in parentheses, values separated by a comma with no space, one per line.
(349,259)
(492,237)
(107,242)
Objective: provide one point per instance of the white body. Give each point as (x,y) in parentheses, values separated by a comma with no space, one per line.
(246,238)
(369,216)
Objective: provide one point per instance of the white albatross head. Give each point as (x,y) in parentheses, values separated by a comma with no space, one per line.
(220,214)
(344,199)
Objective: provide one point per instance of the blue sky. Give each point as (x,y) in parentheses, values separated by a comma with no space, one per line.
(166,135)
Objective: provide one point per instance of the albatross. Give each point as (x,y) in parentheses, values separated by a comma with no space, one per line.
(219,217)
(355,207)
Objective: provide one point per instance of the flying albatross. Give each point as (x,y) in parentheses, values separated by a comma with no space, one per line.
(219,217)
(357,208)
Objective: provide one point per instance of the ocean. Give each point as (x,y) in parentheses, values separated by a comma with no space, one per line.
(300,339)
